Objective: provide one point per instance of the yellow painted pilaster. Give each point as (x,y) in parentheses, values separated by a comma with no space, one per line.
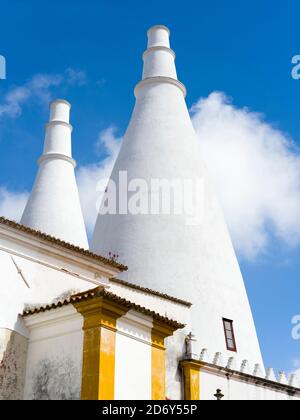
(98,365)
(191,374)
(158,362)
(158,366)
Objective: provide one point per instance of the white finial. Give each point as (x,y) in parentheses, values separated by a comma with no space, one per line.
(293,380)
(245,368)
(270,375)
(258,371)
(282,379)
(231,364)
(218,359)
(204,356)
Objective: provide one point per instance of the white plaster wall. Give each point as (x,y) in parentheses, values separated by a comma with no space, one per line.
(133,357)
(162,306)
(235,389)
(49,273)
(175,345)
(54,361)
(13,354)
(44,285)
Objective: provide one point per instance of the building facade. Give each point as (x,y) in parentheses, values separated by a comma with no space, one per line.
(175,321)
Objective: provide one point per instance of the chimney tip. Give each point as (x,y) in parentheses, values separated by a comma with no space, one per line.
(155,27)
(60,110)
(158,36)
(60,101)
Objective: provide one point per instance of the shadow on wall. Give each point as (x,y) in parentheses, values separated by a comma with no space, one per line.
(175,350)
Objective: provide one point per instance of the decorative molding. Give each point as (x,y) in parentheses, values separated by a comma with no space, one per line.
(56,156)
(160,79)
(159,48)
(136,326)
(290,389)
(58,122)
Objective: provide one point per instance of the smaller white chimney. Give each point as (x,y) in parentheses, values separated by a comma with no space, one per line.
(53,206)
(159,59)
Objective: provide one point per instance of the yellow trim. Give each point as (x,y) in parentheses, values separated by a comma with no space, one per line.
(191,374)
(158,359)
(98,364)
(158,367)
(107,365)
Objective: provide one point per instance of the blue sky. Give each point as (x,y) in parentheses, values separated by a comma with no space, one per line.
(241,49)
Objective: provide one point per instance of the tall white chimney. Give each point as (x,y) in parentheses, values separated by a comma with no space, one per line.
(53,206)
(163,251)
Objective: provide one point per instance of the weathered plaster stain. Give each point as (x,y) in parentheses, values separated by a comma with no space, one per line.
(174,352)
(56,379)
(13,353)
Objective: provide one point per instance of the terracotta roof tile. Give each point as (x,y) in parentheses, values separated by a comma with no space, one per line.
(63,244)
(98,292)
(150,291)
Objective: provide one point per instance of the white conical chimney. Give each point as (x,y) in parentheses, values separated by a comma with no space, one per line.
(53,206)
(164,251)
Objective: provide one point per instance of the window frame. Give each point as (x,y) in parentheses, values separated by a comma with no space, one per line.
(234,348)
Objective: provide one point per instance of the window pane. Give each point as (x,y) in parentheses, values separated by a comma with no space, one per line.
(228,325)
(229,335)
(230,344)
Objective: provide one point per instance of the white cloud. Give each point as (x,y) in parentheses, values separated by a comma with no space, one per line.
(76,77)
(41,85)
(88,176)
(40,88)
(256,170)
(12,203)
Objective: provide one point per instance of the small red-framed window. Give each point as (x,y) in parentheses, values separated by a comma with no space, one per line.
(229,334)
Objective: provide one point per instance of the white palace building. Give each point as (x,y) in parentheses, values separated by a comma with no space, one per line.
(173,320)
